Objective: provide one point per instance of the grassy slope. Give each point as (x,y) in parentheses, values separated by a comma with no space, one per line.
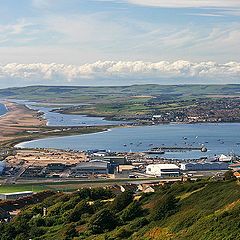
(211,213)
(207,210)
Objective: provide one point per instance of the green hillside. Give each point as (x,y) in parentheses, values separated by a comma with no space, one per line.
(68,94)
(181,211)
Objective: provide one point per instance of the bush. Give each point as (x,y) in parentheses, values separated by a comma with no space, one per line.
(123,233)
(166,206)
(122,201)
(132,211)
(138,223)
(229,175)
(102,221)
(70,232)
(80,209)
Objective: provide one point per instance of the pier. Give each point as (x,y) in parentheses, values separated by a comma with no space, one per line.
(179,149)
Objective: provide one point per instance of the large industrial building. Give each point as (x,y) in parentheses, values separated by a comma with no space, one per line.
(16,195)
(92,167)
(204,166)
(163,170)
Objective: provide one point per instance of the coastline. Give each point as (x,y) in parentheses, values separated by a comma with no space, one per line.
(22,124)
(18,119)
(22,144)
(34,126)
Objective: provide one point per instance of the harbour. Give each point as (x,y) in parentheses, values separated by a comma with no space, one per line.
(139,139)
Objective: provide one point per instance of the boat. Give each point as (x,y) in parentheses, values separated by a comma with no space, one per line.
(203,149)
(154,151)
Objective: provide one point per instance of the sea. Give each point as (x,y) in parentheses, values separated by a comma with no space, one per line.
(3,109)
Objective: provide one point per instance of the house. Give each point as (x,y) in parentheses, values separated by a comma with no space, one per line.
(163,170)
(146,188)
(118,189)
(237,175)
(128,187)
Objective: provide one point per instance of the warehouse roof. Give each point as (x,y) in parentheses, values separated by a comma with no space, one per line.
(93,164)
(164,166)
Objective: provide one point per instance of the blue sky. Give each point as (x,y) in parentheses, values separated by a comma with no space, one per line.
(75,33)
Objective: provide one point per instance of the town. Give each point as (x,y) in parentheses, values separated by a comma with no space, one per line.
(34,165)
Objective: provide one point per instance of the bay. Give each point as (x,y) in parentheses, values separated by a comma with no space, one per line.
(218,138)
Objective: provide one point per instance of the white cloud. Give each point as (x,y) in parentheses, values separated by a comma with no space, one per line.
(188,3)
(119,70)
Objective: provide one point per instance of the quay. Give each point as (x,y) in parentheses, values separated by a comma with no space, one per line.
(178,149)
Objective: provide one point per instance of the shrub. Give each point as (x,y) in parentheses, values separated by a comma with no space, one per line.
(229,175)
(122,200)
(102,221)
(132,211)
(80,209)
(165,206)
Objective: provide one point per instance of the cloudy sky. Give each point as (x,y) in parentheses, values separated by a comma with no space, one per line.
(119,42)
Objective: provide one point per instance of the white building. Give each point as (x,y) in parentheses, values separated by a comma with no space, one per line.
(204,166)
(163,170)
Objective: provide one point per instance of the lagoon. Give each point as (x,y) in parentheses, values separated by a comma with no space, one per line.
(218,138)
(58,119)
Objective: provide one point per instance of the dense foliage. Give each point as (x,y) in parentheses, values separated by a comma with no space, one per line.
(200,210)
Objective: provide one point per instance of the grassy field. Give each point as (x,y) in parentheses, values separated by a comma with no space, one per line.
(21,188)
(66,186)
(129,108)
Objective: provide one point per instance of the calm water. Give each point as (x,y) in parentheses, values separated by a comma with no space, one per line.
(218,138)
(3,109)
(58,119)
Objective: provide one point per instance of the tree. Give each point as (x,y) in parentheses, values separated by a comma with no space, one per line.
(76,213)
(132,211)
(166,206)
(70,232)
(229,175)
(122,200)
(102,221)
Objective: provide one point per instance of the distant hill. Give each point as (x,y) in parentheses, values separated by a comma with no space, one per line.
(181,211)
(106,94)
